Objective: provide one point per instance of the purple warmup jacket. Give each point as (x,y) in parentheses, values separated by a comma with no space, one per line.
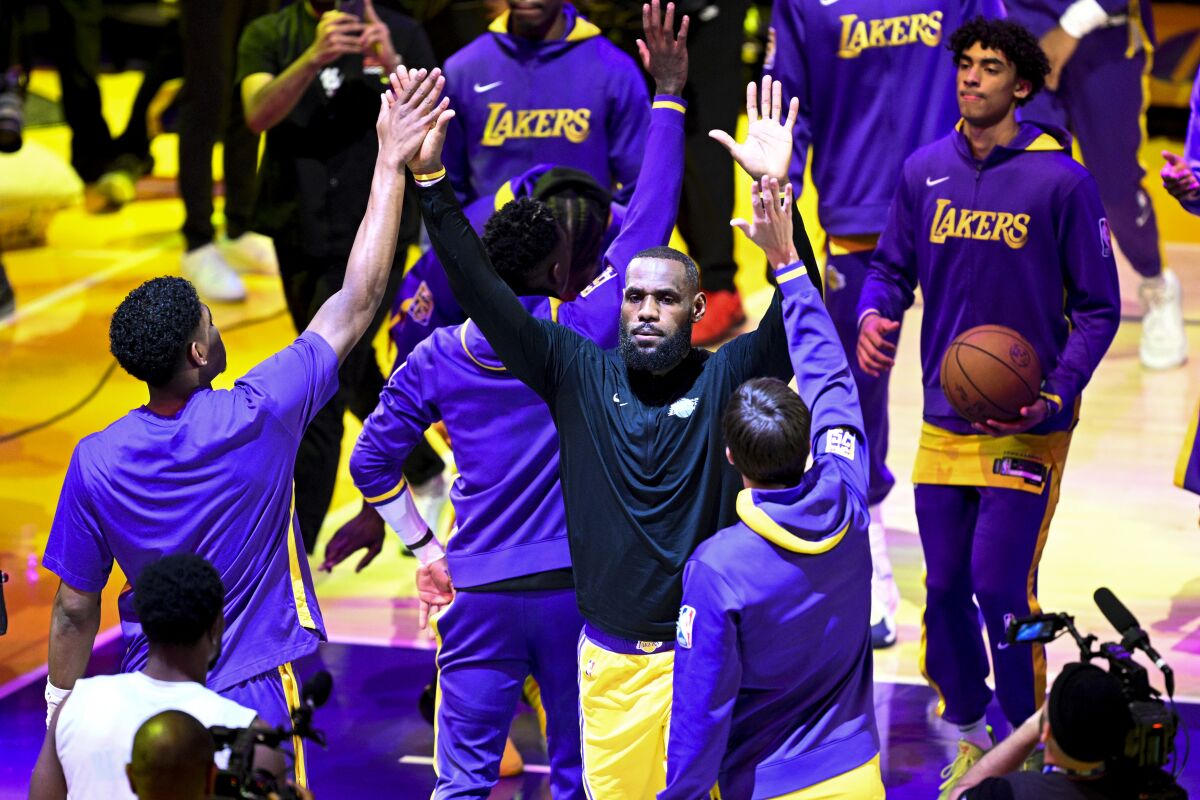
(773,661)
(1019,240)
(507,499)
(858,71)
(214,480)
(577,102)
(1039,16)
(424,301)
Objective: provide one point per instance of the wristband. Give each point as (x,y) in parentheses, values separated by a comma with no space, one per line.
(404,518)
(1082,17)
(430,178)
(54,699)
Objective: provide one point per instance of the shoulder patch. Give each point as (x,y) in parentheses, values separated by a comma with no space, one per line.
(840,442)
(683,628)
(419,307)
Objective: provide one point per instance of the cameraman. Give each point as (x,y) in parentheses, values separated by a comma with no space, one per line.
(1083,724)
(179,600)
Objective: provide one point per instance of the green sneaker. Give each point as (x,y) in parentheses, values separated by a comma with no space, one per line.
(968,755)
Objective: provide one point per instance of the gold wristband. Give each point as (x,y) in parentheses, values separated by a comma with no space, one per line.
(432,176)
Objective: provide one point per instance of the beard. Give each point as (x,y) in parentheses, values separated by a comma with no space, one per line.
(669,352)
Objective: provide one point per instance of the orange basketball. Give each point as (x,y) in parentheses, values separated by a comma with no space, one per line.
(991,372)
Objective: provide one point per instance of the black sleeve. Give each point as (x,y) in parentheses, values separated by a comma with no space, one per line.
(763,353)
(989,789)
(536,352)
(257,49)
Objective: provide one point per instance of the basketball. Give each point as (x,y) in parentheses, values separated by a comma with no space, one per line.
(990,372)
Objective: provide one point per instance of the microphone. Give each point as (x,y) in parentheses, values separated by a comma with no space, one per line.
(317,690)
(1132,635)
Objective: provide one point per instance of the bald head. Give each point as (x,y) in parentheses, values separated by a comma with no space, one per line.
(172,758)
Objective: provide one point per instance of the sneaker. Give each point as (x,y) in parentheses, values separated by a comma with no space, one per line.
(883,632)
(1164,342)
(251,253)
(112,192)
(968,756)
(511,763)
(723,316)
(212,276)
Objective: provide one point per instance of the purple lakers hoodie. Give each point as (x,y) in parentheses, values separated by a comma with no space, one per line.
(772,688)
(424,301)
(511,520)
(577,102)
(1019,239)
(863,73)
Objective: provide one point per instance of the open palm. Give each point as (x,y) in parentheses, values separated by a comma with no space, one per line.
(767,149)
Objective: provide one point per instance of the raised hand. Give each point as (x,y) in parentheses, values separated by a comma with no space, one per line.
(1178,177)
(768,146)
(410,111)
(771,228)
(337,34)
(376,37)
(664,53)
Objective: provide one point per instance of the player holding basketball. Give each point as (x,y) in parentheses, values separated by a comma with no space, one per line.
(640,460)
(849,80)
(205,471)
(998,225)
(773,693)
(514,612)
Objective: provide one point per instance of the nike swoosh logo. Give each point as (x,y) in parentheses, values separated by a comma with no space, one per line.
(480,88)
(828,2)
(932,182)
(617,400)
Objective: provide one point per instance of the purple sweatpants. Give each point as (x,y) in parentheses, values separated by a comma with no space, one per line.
(982,544)
(490,642)
(274,694)
(1100,100)
(844,277)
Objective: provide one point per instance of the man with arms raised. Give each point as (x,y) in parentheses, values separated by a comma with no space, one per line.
(640,462)
(205,471)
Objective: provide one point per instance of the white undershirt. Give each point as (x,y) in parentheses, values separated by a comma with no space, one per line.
(96,725)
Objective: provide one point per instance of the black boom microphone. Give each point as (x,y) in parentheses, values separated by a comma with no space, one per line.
(1132,635)
(314,694)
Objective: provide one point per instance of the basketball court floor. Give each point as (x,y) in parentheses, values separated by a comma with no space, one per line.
(1120,522)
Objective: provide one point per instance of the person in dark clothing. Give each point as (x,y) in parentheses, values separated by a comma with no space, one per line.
(310,77)
(641,461)
(1083,724)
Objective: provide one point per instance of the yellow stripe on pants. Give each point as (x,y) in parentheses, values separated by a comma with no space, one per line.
(291,692)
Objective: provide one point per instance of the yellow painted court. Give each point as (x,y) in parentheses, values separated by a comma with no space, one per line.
(1120,522)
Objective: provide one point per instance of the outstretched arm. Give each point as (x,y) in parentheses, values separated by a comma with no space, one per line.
(414,107)
(533,351)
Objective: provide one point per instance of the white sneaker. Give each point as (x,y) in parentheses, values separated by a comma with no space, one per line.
(1164,342)
(251,253)
(212,275)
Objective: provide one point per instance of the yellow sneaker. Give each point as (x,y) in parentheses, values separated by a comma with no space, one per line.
(968,755)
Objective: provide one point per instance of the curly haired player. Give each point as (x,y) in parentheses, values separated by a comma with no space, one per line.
(997,224)
(208,471)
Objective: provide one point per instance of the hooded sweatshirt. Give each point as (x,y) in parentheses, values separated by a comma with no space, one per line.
(509,506)
(424,301)
(577,102)
(1019,239)
(861,71)
(773,660)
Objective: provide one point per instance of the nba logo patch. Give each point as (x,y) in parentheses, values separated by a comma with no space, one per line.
(1105,238)
(840,442)
(683,628)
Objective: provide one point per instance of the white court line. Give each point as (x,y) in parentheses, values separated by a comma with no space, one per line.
(540,769)
(24,311)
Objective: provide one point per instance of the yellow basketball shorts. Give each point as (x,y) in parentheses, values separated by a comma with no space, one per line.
(624,715)
(860,783)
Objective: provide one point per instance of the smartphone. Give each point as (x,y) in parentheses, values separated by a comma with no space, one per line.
(354,7)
